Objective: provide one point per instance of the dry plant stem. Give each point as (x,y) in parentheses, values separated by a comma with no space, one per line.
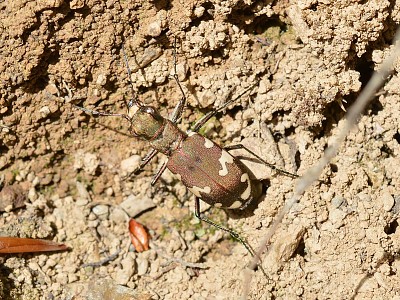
(313,173)
(160,252)
(103,261)
(10,245)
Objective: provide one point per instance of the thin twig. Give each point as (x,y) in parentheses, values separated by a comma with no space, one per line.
(103,261)
(173,262)
(179,260)
(313,173)
(184,263)
(165,270)
(70,95)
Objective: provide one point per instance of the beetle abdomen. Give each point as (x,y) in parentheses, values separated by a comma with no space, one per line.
(211,173)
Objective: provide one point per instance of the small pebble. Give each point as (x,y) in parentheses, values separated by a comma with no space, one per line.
(81,201)
(52,89)
(35,181)
(82,191)
(199,11)
(30,177)
(128,269)
(100,210)
(44,111)
(154,29)
(134,205)
(396,207)
(118,216)
(51,263)
(76,4)
(72,277)
(337,202)
(109,191)
(130,164)
(101,80)
(32,195)
(388,201)
(142,266)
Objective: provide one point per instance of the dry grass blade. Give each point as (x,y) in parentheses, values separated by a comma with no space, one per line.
(24,245)
(313,173)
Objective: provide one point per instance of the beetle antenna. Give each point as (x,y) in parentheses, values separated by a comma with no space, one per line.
(175,70)
(178,110)
(101,113)
(135,99)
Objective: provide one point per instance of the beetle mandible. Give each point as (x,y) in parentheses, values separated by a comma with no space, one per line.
(209,171)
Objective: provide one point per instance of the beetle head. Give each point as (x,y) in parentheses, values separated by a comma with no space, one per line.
(145,121)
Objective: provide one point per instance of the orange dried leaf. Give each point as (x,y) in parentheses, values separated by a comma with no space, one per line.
(24,245)
(139,236)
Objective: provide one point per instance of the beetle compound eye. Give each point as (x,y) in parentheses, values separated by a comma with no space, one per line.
(148,109)
(152,112)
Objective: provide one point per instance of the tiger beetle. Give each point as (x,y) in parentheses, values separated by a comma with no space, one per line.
(209,171)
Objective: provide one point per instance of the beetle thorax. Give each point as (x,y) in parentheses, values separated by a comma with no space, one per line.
(168,139)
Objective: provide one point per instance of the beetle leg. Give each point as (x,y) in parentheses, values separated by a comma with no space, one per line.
(145,160)
(203,120)
(235,235)
(178,110)
(240,146)
(158,174)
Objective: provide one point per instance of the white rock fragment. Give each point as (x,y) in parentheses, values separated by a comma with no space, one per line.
(109,191)
(100,210)
(284,247)
(32,195)
(44,111)
(128,269)
(181,70)
(83,194)
(206,98)
(338,201)
(199,11)
(142,265)
(98,289)
(76,4)
(130,164)
(118,216)
(154,29)
(35,181)
(388,201)
(101,80)
(134,205)
(336,216)
(89,162)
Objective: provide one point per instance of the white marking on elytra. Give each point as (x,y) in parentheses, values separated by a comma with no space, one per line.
(236,204)
(246,194)
(196,190)
(225,158)
(218,204)
(208,144)
(191,133)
